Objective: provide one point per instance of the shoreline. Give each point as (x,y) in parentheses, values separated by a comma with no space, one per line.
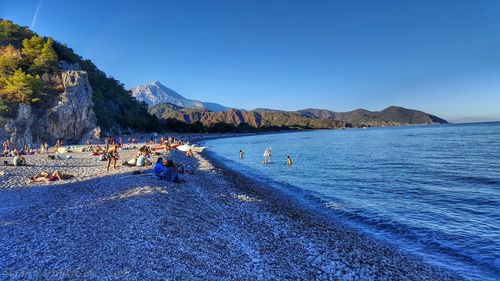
(218,224)
(288,204)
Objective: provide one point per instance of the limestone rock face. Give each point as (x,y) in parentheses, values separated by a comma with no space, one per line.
(71,118)
(20,129)
(73,115)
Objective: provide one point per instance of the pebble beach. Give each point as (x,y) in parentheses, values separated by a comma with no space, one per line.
(127,224)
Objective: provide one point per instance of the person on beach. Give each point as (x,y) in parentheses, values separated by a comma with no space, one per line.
(289,161)
(112,155)
(97,151)
(56,147)
(45,147)
(26,150)
(18,160)
(47,177)
(6,145)
(165,172)
(171,164)
(242,154)
(132,162)
(143,159)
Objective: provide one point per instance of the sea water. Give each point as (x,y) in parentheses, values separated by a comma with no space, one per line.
(433,191)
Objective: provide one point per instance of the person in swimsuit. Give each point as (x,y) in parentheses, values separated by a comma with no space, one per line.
(112,155)
(47,177)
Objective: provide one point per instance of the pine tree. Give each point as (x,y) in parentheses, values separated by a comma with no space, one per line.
(32,48)
(20,87)
(10,59)
(47,60)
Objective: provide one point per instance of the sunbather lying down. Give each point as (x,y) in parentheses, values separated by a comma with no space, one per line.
(46,177)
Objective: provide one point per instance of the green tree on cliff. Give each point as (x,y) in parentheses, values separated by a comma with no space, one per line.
(20,87)
(11,32)
(10,59)
(39,54)
(32,47)
(47,59)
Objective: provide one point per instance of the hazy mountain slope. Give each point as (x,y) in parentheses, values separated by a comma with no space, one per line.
(403,115)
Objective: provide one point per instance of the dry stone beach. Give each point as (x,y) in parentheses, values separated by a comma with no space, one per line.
(217,225)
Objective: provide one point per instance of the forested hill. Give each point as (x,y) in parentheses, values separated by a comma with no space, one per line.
(263,119)
(363,116)
(30,72)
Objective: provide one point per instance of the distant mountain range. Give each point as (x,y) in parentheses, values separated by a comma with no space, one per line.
(390,114)
(166,104)
(302,119)
(156,93)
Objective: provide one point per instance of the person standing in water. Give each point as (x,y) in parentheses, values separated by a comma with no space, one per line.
(289,161)
(242,154)
(267,156)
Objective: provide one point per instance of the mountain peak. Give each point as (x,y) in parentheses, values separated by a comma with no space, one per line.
(156,83)
(156,93)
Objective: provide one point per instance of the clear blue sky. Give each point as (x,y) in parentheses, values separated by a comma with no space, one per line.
(438,56)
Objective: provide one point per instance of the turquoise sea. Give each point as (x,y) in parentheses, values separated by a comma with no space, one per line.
(433,191)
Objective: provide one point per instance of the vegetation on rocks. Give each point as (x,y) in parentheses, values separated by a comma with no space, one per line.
(29,73)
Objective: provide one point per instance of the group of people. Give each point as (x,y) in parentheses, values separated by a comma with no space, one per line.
(143,157)
(164,169)
(26,149)
(8,150)
(17,155)
(268,153)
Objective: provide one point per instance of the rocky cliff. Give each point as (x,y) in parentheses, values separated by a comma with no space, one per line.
(70,116)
